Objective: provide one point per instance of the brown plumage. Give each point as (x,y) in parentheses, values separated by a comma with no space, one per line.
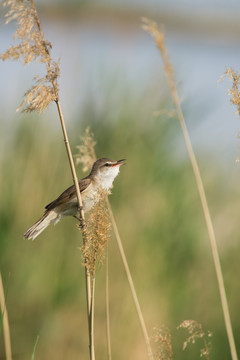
(100,178)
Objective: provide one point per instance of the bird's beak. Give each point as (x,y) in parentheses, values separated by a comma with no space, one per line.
(120,162)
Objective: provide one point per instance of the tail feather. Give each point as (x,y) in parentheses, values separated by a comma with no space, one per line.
(41,225)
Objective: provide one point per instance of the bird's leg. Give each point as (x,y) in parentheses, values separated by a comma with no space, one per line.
(76,217)
(79,209)
(82,224)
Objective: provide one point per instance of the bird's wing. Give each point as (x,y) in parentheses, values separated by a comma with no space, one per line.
(68,194)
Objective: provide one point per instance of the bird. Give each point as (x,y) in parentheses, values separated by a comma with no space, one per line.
(101,178)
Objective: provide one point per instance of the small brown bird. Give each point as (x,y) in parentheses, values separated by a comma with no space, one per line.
(100,178)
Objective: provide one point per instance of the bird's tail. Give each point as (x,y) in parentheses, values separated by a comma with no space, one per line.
(40,225)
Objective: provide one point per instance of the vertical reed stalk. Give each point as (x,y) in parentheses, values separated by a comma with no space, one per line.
(6,329)
(109,350)
(89,295)
(159,39)
(131,284)
(91,318)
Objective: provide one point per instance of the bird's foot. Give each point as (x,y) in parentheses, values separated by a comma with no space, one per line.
(82,226)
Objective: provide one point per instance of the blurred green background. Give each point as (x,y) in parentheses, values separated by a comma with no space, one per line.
(154,199)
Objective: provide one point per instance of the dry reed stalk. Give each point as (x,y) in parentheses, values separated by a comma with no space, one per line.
(33,47)
(86,157)
(131,284)
(6,328)
(158,36)
(108,331)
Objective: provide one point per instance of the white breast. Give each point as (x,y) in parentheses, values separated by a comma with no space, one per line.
(105,179)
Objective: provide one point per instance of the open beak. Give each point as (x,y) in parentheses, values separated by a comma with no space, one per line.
(120,162)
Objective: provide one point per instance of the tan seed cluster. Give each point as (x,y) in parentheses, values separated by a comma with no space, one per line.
(32,46)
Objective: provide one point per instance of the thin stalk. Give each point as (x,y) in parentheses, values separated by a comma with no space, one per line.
(89,295)
(92,349)
(210,228)
(159,39)
(6,328)
(109,350)
(131,284)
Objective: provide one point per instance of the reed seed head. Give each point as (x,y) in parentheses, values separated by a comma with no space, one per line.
(234,92)
(195,331)
(86,153)
(32,46)
(163,338)
(159,37)
(97,234)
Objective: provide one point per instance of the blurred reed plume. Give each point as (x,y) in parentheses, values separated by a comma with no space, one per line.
(86,150)
(196,331)
(163,339)
(158,35)
(234,92)
(32,46)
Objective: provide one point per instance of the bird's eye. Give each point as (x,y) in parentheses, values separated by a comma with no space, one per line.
(107,164)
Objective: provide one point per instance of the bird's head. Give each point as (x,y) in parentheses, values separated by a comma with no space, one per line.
(105,170)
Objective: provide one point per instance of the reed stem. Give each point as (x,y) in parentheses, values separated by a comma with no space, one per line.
(89,288)
(92,349)
(109,350)
(6,328)
(131,284)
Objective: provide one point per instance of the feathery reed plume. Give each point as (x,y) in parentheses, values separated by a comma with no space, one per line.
(96,237)
(196,331)
(158,36)
(87,156)
(32,46)
(163,338)
(234,92)
(86,153)
(5,322)
(97,234)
